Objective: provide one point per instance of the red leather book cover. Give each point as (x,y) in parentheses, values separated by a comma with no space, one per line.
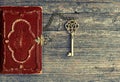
(19,52)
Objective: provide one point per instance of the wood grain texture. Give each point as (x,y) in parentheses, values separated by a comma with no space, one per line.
(96,43)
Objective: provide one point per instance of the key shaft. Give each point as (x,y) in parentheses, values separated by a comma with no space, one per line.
(71,53)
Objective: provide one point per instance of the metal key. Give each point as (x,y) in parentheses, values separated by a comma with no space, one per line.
(71,27)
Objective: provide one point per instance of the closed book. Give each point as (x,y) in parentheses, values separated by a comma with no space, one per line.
(19,28)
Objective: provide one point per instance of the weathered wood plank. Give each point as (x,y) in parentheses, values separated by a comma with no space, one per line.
(68,6)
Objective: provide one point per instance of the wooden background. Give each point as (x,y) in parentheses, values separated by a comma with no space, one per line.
(96,46)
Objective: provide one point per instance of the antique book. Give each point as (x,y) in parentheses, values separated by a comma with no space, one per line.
(19,28)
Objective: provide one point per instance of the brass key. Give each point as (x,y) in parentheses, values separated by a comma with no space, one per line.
(71,27)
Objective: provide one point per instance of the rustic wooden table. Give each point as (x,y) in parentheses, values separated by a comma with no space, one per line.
(96,42)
